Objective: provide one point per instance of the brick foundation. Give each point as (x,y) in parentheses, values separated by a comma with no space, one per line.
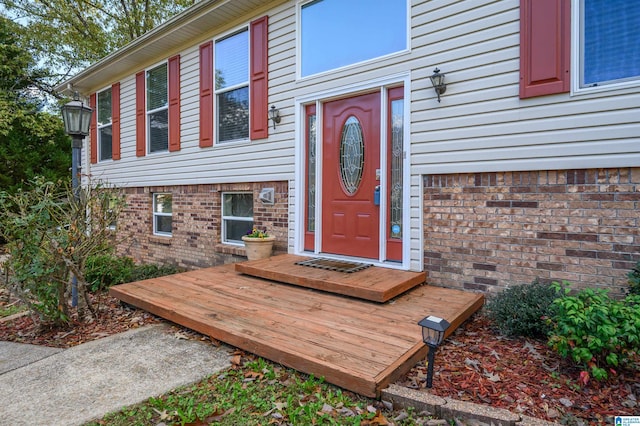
(487,231)
(196,240)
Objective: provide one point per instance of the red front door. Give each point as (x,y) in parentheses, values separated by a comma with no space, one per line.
(350,176)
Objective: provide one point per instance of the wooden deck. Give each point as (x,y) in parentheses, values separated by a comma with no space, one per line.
(359,345)
(374,283)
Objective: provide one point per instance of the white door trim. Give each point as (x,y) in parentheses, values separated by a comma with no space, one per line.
(300,161)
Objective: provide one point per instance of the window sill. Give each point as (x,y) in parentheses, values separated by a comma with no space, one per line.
(230,249)
(160,239)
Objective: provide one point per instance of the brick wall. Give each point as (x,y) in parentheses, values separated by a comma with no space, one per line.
(196,224)
(487,231)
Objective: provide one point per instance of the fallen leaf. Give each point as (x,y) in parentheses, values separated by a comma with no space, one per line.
(253,375)
(400,417)
(492,377)
(584,377)
(566,402)
(163,414)
(326,408)
(181,336)
(219,415)
(473,363)
(236,362)
(346,412)
(379,419)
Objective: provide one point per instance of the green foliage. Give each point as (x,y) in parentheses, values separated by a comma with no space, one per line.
(148,271)
(597,332)
(32,142)
(50,234)
(521,310)
(104,270)
(71,34)
(634,280)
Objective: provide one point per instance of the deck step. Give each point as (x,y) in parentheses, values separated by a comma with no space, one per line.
(373,283)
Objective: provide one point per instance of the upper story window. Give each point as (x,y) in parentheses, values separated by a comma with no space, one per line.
(609,42)
(105,125)
(337,33)
(157,109)
(232,86)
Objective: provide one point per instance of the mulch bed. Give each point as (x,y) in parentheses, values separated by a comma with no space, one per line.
(113,317)
(475,364)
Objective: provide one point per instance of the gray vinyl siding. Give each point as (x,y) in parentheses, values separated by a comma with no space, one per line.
(481,124)
(246,161)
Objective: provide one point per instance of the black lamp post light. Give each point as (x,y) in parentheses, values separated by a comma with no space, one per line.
(433,329)
(77,119)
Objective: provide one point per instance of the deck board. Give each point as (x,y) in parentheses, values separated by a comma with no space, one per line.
(374,283)
(359,345)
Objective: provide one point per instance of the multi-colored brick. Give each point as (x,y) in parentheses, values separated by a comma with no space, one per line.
(487,231)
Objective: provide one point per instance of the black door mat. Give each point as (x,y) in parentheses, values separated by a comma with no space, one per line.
(334,265)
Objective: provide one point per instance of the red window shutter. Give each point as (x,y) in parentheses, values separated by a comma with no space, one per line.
(174,103)
(545,47)
(93,130)
(141,119)
(115,121)
(259,90)
(206,95)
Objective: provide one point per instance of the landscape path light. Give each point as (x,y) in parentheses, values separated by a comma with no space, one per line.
(433,330)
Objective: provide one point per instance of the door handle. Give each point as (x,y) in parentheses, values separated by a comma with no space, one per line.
(376,195)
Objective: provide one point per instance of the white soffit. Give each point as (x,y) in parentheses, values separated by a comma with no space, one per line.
(186,28)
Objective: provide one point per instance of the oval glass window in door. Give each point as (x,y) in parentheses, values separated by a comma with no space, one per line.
(351,155)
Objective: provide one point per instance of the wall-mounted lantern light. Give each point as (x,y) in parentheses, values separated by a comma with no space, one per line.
(437,79)
(274,115)
(433,329)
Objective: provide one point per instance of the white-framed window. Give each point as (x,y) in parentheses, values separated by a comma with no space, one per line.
(231,61)
(105,125)
(237,216)
(157,109)
(162,214)
(338,33)
(607,43)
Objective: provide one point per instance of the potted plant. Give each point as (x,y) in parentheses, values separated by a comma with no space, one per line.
(258,244)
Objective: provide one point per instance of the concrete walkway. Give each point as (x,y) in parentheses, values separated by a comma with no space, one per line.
(45,386)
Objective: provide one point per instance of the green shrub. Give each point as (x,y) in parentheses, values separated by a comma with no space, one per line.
(50,237)
(521,310)
(148,271)
(634,280)
(594,330)
(106,270)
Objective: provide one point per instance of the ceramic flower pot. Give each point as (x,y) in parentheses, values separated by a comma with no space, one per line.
(258,248)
